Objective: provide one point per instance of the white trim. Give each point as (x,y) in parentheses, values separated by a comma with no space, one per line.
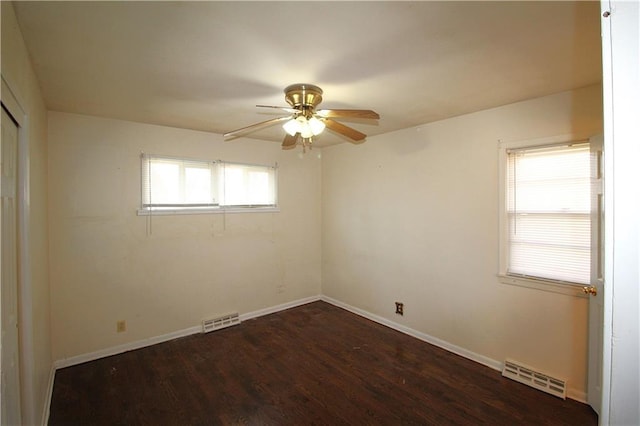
(491,363)
(577,395)
(572,393)
(503,241)
(217,210)
(114,350)
(621,334)
(126,347)
(278,308)
(46,409)
(604,416)
(217,203)
(12,102)
(546,141)
(567,289)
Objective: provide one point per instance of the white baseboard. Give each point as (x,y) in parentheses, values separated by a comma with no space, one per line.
(496,365)
(278,308)
(114,350)
(577,395)
(572,393)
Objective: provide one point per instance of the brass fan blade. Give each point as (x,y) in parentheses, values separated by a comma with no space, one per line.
(355,113)
(257,126)
(289,141)
(345,130)
(291,110)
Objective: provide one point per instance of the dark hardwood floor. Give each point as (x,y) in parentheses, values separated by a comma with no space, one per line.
(314,364)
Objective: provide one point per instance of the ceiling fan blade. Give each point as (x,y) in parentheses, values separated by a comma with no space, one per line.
(257,126)
(291,110)
(355,113)
(345,130)
(289,141)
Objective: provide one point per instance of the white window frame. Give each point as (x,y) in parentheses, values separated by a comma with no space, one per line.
(555,286)
(227,205)
(217,206)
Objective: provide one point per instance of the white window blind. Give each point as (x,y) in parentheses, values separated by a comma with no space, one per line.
(548,212)
(246,185)
(178,183)
(170,183)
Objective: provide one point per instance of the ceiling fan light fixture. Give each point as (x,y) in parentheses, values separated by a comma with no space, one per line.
(292,127)
(316,126)
(306,128)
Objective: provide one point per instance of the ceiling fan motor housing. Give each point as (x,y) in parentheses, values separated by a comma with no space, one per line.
(303,96)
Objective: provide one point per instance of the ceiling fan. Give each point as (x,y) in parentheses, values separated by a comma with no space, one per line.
(304,121)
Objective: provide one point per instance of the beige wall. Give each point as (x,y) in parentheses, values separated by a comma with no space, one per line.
(166,273)
(35,330)
(412,216)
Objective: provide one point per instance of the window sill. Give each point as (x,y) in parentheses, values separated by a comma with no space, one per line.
(567,289)
(170,212)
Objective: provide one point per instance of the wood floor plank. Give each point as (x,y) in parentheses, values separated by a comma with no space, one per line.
(311,365)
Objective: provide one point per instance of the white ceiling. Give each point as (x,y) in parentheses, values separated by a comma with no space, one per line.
(205,65)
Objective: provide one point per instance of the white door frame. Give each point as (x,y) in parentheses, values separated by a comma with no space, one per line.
(621,106)
(10,358)
(607,303)
(25,307)
(596,300)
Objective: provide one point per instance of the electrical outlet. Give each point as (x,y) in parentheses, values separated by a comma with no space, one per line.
(121,326)
(399,308)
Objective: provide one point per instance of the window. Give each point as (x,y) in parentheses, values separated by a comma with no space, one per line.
(546,213)
(246,185)
(179,185)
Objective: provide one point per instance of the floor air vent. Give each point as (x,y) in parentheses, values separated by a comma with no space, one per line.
(524,374)
(224,321)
